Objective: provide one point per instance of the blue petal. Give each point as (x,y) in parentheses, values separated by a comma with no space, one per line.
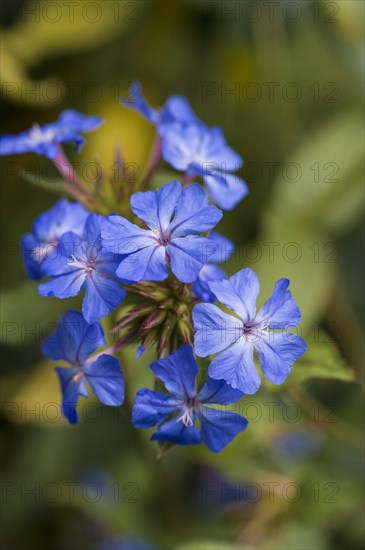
(74,340)
(215,150)
(178,372)
(136,101)
(23,143)
(140,351)
(101,297)
(29,246)
(57,262)
(198,149)
(63,217)
(277,352)
(219,427)
(107,263)
(188,255)
(123,237)
(150,408)
(219,392)
(193,213)
(50,150)
(235,365)
(227,190)
(208,273)
(92,228)
(148,264)
(280,310)
(182,144)
(14,144)
(215,329)
(64,136)
(64,286)
(42,140)
(73,121)
(106,380)
(72,385)
(176,109)
(176,432)
(156,208)
(239,293)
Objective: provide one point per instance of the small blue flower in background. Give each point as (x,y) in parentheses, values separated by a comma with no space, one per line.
(81,263)
(298,444)
(222,249)
(175,109)
(43,140)
(234,339)
(174,217)
(201,151)
(47,229)
(178,372)
(126,543)
(73,342)
(189,145)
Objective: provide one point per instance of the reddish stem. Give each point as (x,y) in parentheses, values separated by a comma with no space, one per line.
(65,168)
(153,161)
(111,350)
(186,180)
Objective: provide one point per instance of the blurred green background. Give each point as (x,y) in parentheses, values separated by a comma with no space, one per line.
(285,82)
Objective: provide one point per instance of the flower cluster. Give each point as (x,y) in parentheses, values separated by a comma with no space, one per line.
(151,264)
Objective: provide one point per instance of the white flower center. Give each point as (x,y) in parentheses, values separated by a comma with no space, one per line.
(42,250)
(187,417)
(87,265)
(162,239)
(253,331)
(39,135)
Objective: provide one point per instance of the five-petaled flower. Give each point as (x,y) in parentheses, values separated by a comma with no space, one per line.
(174,217)
(201,151)
(44,140)
(47,229)
(178,372)
(175,109)
(82,251)
(234,338)
(73,342)
(189,145)
(81,263)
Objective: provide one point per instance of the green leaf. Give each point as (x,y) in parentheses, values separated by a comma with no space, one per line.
(43,183)
(28,318)
(321,184)
(321,360)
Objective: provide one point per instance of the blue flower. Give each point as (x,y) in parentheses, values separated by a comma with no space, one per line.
(81,263)
(73,342)
(175,109)
(47,229)
(201,151)
(174,217)
(222,249)
(234,338)
(178,372)
(43,140)
(126,543)
(297,444)
(188,145)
